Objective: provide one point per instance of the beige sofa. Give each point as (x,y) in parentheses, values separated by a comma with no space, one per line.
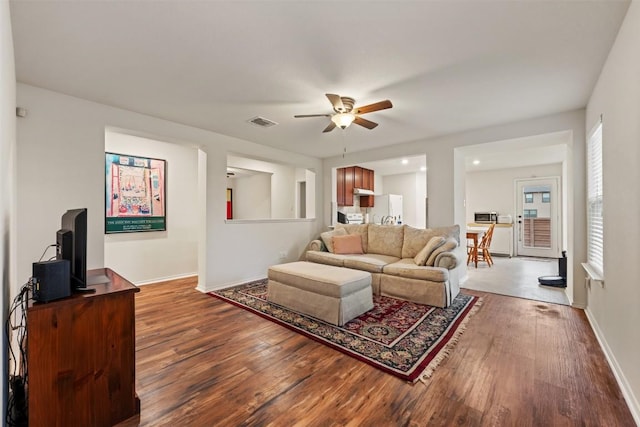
(392,254)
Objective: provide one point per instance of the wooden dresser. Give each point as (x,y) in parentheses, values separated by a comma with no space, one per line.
(81,356)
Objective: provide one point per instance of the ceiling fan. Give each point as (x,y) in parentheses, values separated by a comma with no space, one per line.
(347,114)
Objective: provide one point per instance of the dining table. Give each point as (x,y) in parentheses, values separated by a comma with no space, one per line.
(474,234)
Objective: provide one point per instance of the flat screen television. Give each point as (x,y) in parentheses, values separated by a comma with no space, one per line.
(71,242)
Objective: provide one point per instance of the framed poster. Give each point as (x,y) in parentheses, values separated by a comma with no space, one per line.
(135,197)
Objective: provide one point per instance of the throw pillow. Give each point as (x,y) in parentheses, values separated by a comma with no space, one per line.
(450,244)
(350,244)
(327,237)
(432,244)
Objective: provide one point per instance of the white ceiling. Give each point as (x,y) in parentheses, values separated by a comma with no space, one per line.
(447,66)
(527,151)
(406,164)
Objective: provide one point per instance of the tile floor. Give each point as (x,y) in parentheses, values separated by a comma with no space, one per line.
(517,277)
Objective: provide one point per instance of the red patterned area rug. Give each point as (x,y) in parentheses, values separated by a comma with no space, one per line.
(405,339)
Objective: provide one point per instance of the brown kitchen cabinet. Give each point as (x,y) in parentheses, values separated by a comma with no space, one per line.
(353,177)
(367,179)
(349,180)
(367,201)
(340,188)
(358,177)
(367,184)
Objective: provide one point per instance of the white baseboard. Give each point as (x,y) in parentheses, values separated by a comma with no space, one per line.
(575,304)
(227,285)
(166,279)
(632,401)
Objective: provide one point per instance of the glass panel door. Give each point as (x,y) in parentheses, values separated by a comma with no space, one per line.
(538,231)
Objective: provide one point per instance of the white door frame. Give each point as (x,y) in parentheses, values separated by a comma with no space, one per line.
(556,215)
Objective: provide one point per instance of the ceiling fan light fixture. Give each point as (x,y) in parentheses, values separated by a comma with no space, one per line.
(343,120)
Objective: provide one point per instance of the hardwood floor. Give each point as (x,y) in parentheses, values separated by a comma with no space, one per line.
(203,362)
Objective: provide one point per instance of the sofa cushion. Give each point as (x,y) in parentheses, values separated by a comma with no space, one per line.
(372,263)
(385,240)
(360,229)
(434,243)
(328,258)
(447,246)
(327,237)
(407,268)
(349,244)
(416,238)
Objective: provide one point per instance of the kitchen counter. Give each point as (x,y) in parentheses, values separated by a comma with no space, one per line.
(483,225)
(502,242)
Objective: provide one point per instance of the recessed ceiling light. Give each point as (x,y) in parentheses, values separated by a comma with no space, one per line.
(405,161)
(423,168)
(476,162)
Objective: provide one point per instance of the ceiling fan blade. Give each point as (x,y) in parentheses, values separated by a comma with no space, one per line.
(311,115)
(329,128)
(336,101)
(382,105)
(364,122)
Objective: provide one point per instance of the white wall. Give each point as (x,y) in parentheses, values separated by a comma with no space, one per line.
(494,190)
(421,199)
(310,189)
(378,185)
(64,137)
(614,309)
(251,197)
(7,182)
(159,255)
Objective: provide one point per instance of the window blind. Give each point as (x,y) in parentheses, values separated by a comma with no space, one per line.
(595,226)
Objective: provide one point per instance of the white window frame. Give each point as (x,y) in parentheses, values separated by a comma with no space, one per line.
(548,197)
(595,204)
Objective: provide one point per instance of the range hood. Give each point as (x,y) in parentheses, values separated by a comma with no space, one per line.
(362,192)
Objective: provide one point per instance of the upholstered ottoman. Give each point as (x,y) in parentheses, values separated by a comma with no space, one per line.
(333,294)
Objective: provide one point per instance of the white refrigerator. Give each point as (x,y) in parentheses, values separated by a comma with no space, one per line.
(385,206)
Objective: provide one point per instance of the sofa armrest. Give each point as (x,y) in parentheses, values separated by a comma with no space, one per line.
(317,245)
(448,260)
(314,245)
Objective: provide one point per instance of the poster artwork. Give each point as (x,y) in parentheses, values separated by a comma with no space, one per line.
(135,194)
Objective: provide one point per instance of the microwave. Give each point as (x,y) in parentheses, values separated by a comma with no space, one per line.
(485,217)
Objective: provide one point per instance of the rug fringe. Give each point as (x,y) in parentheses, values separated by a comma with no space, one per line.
(444,353)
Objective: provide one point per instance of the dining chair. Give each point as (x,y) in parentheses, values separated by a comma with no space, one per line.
(483,253)
(485,244)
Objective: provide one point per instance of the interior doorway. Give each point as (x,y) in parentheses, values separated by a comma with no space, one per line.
(302,199)
(500,178)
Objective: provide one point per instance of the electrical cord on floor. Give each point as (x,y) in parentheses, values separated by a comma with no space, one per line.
(16,324)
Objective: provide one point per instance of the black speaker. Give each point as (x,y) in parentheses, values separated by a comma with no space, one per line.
(52,280)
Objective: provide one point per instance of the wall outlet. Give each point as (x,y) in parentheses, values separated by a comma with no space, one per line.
(283,254)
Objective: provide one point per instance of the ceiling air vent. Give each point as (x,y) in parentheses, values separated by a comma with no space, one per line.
(262,122)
